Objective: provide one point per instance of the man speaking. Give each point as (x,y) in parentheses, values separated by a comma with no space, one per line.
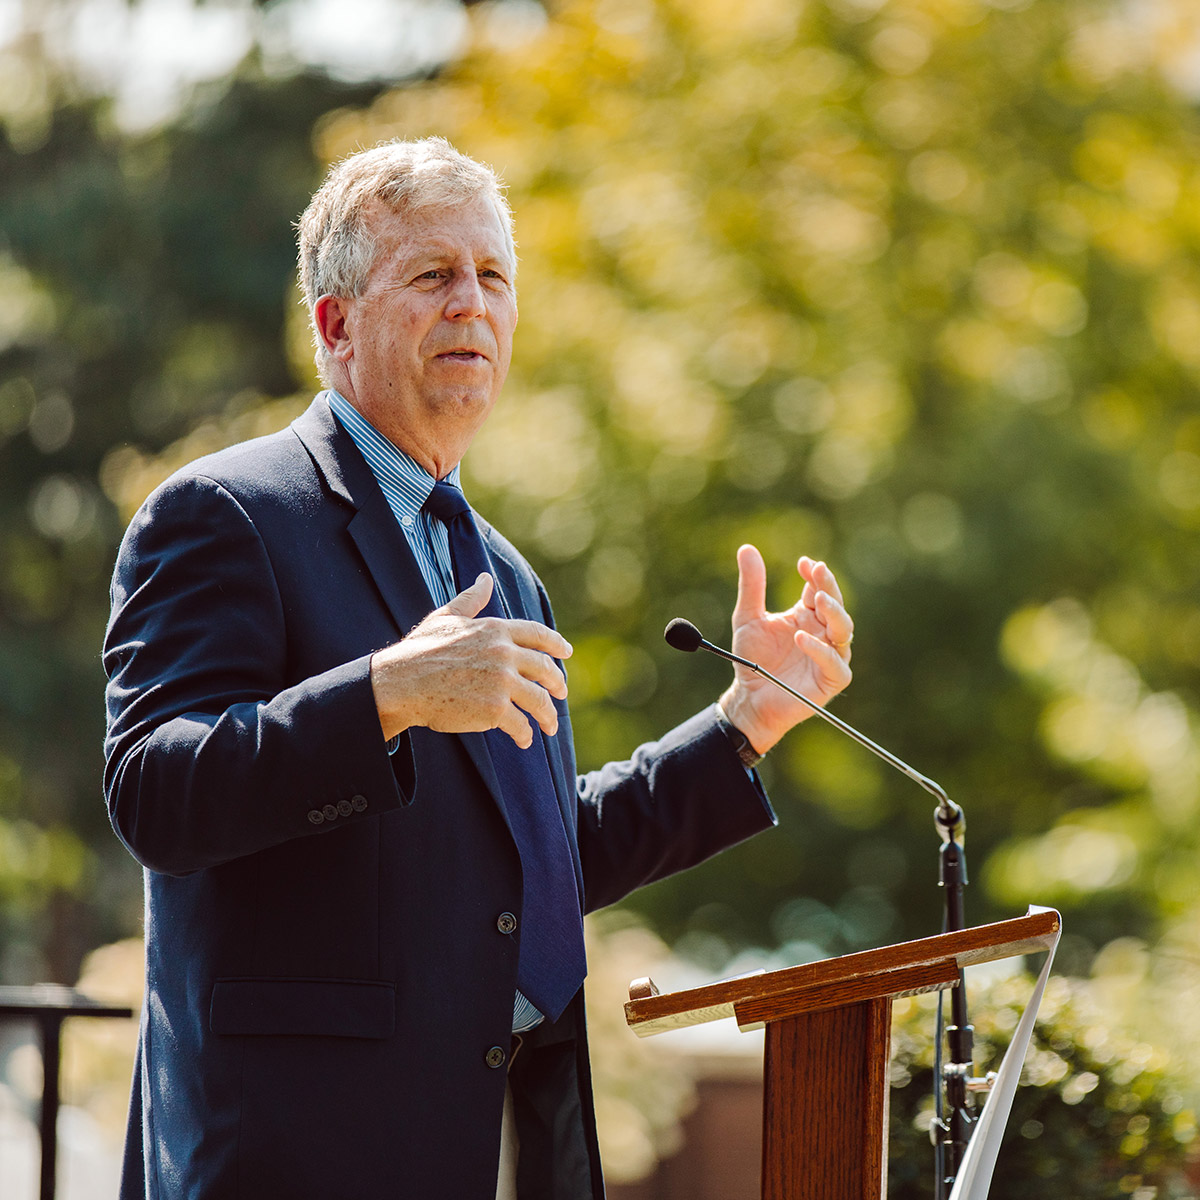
(339,744)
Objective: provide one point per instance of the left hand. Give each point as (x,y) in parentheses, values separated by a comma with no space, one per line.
(807,646)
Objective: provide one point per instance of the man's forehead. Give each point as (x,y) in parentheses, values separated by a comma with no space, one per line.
(438,226)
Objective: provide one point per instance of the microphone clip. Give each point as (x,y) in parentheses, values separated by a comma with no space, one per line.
(950,821)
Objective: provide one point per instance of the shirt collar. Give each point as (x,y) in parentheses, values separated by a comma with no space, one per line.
(405,483)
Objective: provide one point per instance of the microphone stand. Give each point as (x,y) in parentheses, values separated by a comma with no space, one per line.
(950,1133)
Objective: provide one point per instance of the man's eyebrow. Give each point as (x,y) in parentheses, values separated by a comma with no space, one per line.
(444,253)
(424,257)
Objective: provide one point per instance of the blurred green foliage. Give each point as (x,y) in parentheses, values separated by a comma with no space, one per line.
(1099,1114)
(911,285)
(148,284)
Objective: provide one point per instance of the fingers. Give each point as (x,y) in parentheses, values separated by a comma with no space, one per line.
(536,701)
(752,586)
(534,636)
(529,693)
(822,596)
(817,578)
(532,678)
(513,662)
(832,664)
(540,669)
(839,628)
(539,680)
(514,722)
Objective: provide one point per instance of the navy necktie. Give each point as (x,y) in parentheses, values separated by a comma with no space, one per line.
(551,965)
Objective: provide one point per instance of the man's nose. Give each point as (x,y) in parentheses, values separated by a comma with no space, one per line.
(466,297)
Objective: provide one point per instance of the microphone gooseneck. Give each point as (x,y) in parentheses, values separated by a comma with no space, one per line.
(953,1130)
(683,635)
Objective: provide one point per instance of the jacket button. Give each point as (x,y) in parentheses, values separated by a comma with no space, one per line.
(316,816)
(331,812)
(495,1057)
(506,922)
(344,808)
(358,803)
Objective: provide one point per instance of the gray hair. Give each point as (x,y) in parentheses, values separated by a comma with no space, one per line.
(337,247)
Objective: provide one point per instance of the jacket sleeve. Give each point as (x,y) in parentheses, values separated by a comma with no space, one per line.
(212,752)
(675,803)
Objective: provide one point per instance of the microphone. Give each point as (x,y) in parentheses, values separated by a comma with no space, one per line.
(683,635)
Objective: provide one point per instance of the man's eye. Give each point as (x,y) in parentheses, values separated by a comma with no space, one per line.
(431,274)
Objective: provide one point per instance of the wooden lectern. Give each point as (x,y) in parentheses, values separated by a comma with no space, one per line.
(828,1042)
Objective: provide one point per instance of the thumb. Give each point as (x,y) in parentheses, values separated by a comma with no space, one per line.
(470,602)
(751,601)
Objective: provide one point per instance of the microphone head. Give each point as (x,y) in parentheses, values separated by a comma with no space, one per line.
(683,635)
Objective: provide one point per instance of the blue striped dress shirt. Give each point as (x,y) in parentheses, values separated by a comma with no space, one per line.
(406,486)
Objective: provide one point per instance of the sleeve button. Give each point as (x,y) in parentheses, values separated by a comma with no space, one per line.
(358,803)
(344,808)
(495,1057)
(506,922)
(331,812)
(316,816)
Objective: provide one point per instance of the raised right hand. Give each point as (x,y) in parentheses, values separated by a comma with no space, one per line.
(457,672)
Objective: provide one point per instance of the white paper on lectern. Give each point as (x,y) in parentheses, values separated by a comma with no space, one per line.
(975,1172)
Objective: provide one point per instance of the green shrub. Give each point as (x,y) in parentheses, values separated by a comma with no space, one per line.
(1099,1115)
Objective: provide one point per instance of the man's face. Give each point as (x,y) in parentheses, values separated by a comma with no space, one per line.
(429,340)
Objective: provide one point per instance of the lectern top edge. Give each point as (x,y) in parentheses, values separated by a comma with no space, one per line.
(651,1014)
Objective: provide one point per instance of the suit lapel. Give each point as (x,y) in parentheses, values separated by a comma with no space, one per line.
(384,548)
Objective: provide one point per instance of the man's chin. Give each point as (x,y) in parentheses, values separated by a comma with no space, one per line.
(466,408)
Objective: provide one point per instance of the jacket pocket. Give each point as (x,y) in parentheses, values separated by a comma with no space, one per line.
(303,1007)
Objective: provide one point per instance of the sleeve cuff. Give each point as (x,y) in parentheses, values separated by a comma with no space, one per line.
(747,755)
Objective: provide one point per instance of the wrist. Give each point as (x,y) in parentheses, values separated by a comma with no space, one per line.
(391,700)
(748,751)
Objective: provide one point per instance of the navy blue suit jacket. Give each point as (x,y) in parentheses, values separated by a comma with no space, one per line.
(326,973)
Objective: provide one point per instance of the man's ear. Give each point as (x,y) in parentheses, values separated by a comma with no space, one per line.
(329,317)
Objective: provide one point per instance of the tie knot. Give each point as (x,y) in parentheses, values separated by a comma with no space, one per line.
(446,502)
